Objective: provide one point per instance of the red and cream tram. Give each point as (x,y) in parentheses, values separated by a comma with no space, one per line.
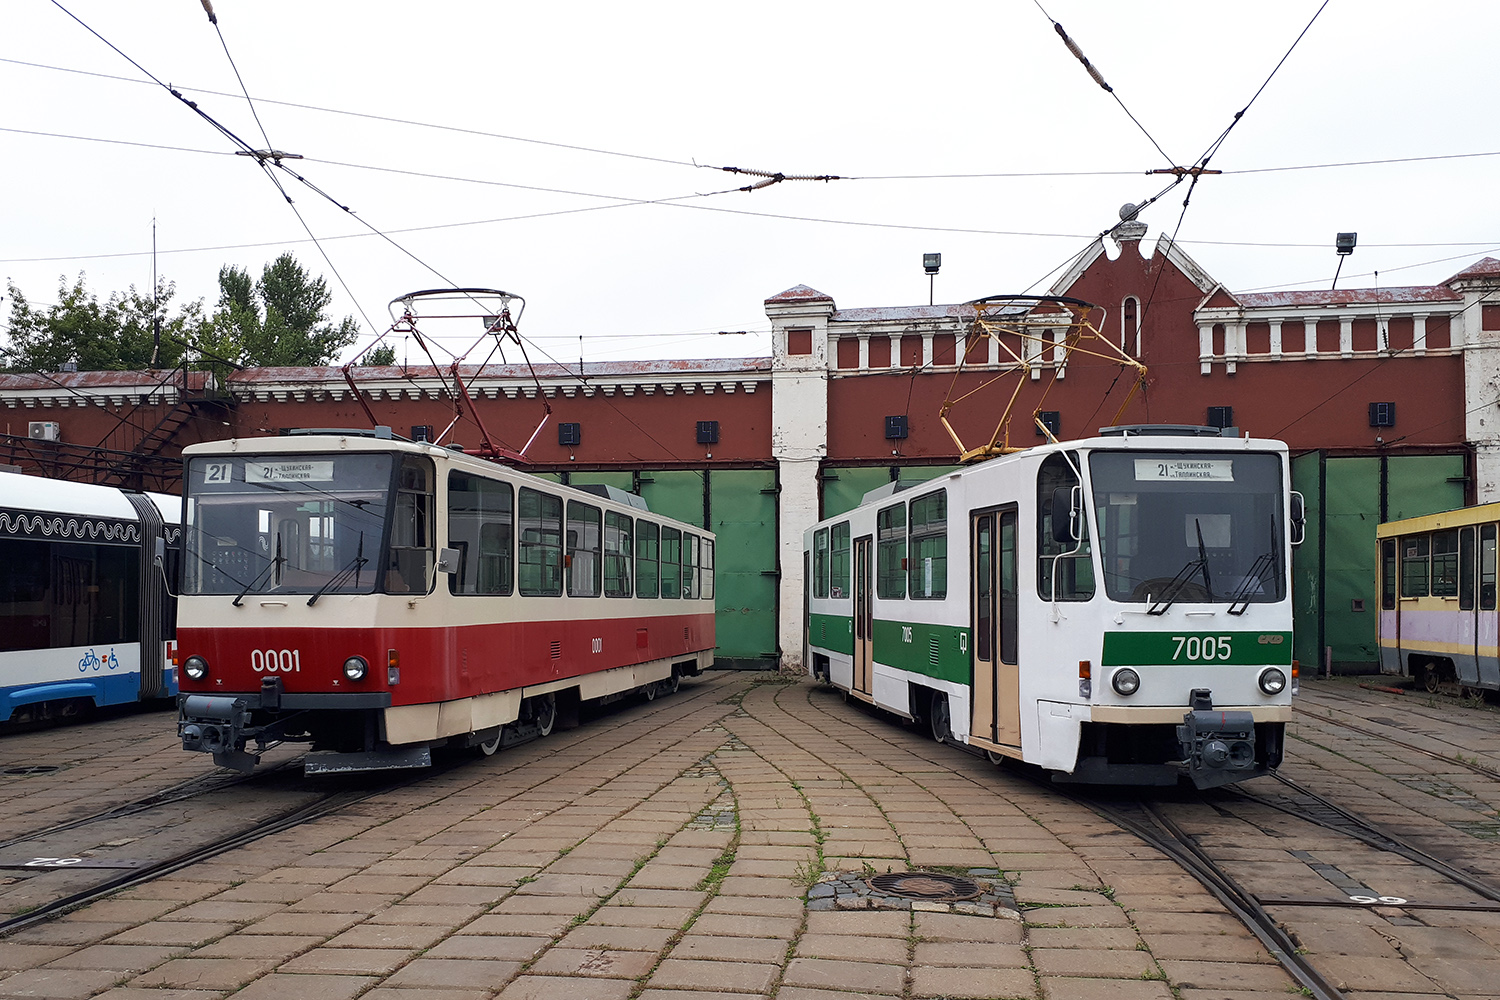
(378,598)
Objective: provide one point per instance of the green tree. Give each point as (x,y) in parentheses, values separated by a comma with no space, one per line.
(385,354)
(113,335)
(279,319)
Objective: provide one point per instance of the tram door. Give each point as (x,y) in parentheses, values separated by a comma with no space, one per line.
(864,623)
(997,676)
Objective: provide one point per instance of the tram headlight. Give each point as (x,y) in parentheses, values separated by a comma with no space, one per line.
(196,667)
(1125,681)
(355,668)
(1272,680)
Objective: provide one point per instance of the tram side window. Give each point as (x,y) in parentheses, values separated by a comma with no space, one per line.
(540,563)
(1445,564)
(820,563)
(1388,574)
(583,564)
(1074,571)
(1414,566)
(706,568)
(839,552)
(927,573)
(890,553)
(62,594)
(409,566)
(1487,567)
(1010,587)
(1466,569)
(25,598)
(671,562)
(690,583)
(619,533)
(481,515)
(647,581)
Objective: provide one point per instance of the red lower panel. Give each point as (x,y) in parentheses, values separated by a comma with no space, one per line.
(437,664)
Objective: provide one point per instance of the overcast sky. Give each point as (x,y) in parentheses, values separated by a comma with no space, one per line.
(500,101)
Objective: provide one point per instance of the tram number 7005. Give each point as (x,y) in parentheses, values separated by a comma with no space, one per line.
(1201,648)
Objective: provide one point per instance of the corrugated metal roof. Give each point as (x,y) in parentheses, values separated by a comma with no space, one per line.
(876,314)
(139,381)
(800,293)
(1348,296)
(1488,267)
(733,367)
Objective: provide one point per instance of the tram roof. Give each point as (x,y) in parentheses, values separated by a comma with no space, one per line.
(59,496)
(1480,514)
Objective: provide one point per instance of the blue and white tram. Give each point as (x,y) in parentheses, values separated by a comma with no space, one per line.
(85,616)
(1115,610)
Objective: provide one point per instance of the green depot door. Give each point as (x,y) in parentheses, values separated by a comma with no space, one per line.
(741,507)
(1343,569)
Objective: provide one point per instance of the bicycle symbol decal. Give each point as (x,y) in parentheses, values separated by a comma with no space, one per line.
(91,661)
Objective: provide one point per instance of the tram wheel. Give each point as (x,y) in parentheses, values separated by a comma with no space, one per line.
(994,758)
(1432,678)
(938,717)
(489,747)
(649,691)
(546,714)
(674,682)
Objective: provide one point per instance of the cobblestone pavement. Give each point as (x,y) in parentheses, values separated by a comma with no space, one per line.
(667,851)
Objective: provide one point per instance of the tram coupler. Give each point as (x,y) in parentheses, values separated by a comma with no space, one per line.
(1217,747)
(216,725)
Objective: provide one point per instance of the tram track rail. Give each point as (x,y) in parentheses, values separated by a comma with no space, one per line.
(326,804)
(288,819)
(1331,816)
(1155,828)
(1453,761)
(191,788)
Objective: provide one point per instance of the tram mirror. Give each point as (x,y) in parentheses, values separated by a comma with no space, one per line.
(1063,514)
(447,561)
(160,557)
(1299,518)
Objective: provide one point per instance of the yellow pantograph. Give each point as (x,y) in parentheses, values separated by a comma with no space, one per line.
(1032,332)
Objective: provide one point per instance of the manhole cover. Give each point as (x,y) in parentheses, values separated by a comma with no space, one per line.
(926,885)
(32,769)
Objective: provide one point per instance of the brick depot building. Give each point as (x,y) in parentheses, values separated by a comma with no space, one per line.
(1387,398)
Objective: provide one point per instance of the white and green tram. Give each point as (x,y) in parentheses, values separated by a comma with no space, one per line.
(1116,610)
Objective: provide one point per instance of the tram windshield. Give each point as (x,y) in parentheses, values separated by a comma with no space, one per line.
(285,524)
(1190,527)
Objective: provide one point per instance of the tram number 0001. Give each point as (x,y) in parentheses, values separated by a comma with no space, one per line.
(286,661)
(1201,648)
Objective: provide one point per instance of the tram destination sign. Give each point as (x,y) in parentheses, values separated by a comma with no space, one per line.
(1213,470)
(289,471)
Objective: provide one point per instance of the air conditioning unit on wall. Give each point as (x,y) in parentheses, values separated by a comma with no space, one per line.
(44,430)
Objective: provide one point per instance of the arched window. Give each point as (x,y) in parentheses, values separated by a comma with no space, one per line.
(1130,326)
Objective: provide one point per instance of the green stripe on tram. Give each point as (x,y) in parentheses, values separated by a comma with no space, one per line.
(940,651)
(1148,649)
(832,632)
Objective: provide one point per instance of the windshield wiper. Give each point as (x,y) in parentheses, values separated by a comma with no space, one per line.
(274,564)
(352,566)
(1254,577)
(1169,595)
